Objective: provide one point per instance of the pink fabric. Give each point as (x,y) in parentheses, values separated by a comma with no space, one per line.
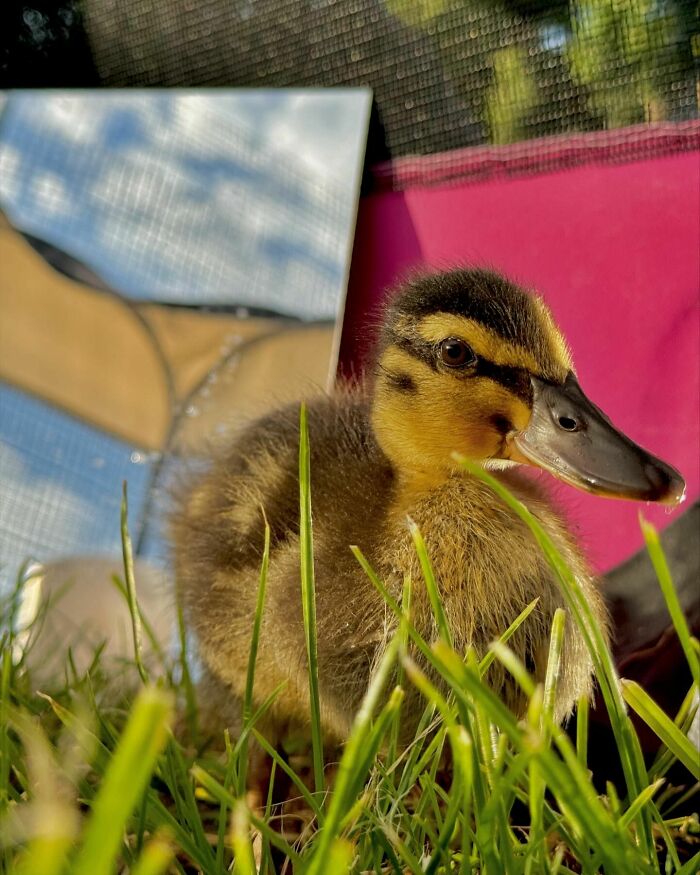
(614,249)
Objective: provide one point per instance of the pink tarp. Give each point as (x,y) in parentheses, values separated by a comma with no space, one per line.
(614,249)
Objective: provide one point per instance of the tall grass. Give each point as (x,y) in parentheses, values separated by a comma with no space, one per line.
(308,595)
(90,783)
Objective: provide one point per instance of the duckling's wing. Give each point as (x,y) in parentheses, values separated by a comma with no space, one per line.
(218,534)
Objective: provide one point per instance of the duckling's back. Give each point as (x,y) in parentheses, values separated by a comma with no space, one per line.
(218,536)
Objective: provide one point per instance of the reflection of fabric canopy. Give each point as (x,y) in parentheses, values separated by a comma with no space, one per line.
(126,367)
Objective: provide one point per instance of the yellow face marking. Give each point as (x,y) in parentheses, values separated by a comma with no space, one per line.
(562,350)
(485,343)
(396,359)
(419,431)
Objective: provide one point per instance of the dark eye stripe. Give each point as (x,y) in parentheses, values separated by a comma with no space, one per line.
(424,352)
(516,380)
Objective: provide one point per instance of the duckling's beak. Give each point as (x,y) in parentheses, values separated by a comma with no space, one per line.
(574,440)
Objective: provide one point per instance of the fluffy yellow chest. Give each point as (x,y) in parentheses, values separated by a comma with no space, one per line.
(487,565)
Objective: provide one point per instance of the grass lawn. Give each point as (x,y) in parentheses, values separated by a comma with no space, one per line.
(93,780)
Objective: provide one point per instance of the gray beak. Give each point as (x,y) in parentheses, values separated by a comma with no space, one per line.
(574,440)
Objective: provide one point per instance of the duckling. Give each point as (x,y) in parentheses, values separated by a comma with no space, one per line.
(466,361)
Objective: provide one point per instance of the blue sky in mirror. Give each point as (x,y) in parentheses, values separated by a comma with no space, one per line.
(220,197)
(61,484)
(243,198)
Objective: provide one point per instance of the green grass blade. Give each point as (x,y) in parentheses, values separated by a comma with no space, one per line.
(489,656)
(430,582)
(641,800)
(244,861)
(159,817)
(191,712)
(556,645)
(690,867)
(153,641)
(155,857)
(347,777)
(128,556)
(252,722)
(662,725)
(663,573)
(508,658)
(460,795)
(391,602)
(175,771)
(55,819)
(212,786)
(252,656)
(375,738)
(546,718)
(683,720)
(46,854)
(463,758)
(666,835)
(567,780)
(384,845)
(399,847)
(291,774)
(340,857)
(628,745)
(265,856)
(403,642)
(125,780)
(232,762)
(308,594)
(420,680)
(582,711)
(5,740)
(422,751)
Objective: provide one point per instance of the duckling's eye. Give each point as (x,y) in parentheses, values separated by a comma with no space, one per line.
(455,353)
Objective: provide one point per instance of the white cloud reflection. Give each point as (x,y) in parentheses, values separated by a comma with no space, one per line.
(214,196)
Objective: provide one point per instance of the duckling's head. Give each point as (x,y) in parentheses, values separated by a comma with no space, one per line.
(472,363)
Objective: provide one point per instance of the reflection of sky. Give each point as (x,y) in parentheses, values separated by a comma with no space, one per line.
(215,197)
(224,197)
(61,484)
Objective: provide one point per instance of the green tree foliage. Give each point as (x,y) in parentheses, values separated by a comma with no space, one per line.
(621,50)
(527,68)
(512,95)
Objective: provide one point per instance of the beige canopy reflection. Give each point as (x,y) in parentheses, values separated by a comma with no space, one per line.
(134,369)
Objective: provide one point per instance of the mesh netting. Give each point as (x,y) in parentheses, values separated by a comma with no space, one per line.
(445,73)
(61,482)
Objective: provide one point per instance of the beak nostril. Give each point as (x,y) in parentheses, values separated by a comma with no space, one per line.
(568,423)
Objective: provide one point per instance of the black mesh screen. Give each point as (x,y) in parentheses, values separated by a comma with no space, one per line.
(446,73)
